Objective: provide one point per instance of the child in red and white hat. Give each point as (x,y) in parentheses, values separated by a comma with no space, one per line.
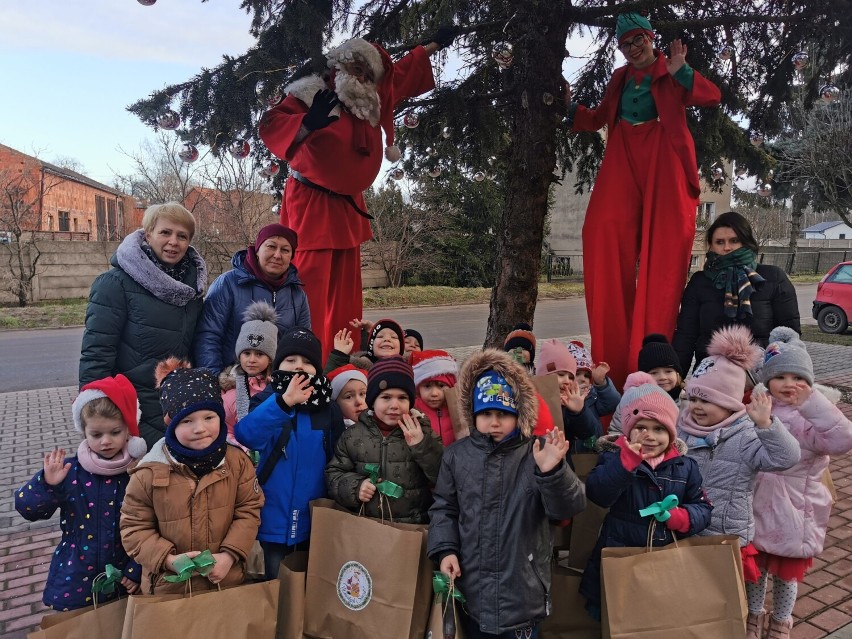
(349,390)
(89,489)
(434,372)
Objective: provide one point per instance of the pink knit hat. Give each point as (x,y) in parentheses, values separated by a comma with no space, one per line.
(720,378)
(555,357)
(643,399)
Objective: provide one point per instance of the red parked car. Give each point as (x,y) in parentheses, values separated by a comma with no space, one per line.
(833,303)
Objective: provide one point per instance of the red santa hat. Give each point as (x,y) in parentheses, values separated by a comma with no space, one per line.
(381,67)
(342,375)
(434,364)
(120,392)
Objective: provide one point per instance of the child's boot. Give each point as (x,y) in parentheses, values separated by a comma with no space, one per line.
(755,624)
(780,629)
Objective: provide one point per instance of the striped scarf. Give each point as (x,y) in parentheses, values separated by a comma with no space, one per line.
(735,274)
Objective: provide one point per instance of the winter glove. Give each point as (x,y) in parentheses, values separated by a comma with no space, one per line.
(318,116)
(678,520)
(444,36)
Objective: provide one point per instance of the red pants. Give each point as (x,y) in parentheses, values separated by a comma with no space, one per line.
(637,242)
(332,280)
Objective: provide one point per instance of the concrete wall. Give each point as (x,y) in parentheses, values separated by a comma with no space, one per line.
(66,270)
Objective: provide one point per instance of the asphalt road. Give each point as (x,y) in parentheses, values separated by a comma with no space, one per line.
(48,358)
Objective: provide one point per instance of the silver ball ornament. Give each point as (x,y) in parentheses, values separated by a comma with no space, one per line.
(239,148)
(756,138)
(446,133)
(435,172)
(270,170)
(397,174)
(801,60)
(411,120)
(725,53)
(502,55)
(168,120)
(718,174)
(764,190)
(479,176)
(146,3)
(261,89)
(829,93)
(188,153)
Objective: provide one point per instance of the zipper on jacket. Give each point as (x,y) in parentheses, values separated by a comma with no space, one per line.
(440,425)
(273,299)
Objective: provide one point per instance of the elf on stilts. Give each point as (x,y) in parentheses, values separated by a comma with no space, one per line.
(645,197)
(329,129)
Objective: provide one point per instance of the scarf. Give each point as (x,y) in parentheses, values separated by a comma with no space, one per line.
(253,267)
(735,274)
(199,462)
(688,425)
(175,271)
(97,465)
(319,399)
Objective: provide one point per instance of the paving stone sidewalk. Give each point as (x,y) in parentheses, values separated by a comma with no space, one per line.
(36,421)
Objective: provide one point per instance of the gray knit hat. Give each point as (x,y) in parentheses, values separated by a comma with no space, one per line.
(259,330)
(786,353)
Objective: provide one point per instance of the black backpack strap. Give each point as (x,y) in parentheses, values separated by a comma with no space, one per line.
(278,451)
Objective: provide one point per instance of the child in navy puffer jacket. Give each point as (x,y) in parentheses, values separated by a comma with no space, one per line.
(88,489)
(635,470)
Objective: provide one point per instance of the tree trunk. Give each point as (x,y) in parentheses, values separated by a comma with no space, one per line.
(538,32)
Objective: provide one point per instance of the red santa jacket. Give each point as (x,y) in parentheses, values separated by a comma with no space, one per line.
(671,99)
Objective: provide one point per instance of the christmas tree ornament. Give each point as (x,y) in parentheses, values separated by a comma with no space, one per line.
(801,60)
(771,173)
(435,172)
(397,174)
(764,190)
(726,52)
(239,148)
(718,174)
(447,132)
(411,120)
(741,171)
(431,152)
(547,98)
(756,138)
(168,120)
(146,3)
(479,176)
(188,153)
(492,160)
(829,93)
(270,96)
(270,170)
(502,55)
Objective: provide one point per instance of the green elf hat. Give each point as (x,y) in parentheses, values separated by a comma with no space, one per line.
(628,23)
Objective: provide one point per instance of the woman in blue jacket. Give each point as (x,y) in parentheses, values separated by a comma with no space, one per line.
(261,272)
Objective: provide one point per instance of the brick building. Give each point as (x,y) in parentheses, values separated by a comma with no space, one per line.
(58,203)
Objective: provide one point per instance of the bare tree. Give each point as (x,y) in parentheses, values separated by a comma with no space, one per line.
(402,232)
(158,174)
(70,163)
(769,220)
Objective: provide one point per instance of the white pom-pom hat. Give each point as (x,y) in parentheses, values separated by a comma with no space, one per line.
(120,392)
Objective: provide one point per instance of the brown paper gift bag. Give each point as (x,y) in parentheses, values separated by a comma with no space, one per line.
(692,589)
(103,622)
(243,612)
(435,629)
(291,596)
(586,526)
(828,482)
(254,563)
(568,618)
(366,579)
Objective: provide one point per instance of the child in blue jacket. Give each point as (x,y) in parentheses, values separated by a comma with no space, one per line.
(300,419)
(644,466)
(88,489)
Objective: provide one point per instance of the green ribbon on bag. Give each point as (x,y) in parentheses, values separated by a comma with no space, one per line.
(660,509)
(186,567)
(106,581)
(442,585)
(383,486)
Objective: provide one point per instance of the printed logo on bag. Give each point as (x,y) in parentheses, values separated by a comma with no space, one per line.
(354,586)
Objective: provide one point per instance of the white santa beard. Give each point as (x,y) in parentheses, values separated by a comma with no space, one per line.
(360,98)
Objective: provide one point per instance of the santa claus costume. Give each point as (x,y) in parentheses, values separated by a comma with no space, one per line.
(333,164)
(645,196)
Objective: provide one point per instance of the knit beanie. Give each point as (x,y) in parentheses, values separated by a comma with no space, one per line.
(720,378)
(276,230)
(434,364)
(628,23)
(643,399)
(390,372)
(382,324)
(521,336)
(342,375)
(555,357)
(120,392)
(185,390)
(658,353)
(786,353)
(410,332)
(259,330)
(493,392)
(299,341)
(582,355)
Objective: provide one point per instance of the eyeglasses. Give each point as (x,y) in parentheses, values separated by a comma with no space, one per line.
(635,41)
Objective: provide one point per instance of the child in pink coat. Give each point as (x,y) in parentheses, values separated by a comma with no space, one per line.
(792,507)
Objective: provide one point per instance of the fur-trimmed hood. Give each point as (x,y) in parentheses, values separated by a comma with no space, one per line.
(132,260)
(306,88)
(606,444)
(516,376)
